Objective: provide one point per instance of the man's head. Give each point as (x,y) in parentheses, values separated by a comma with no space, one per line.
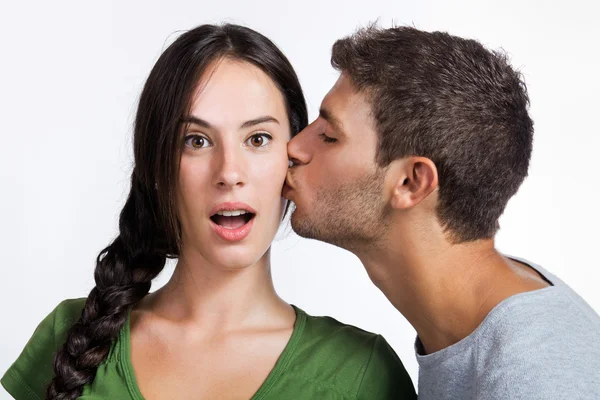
(412,111)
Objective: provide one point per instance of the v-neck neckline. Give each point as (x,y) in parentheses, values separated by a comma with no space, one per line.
(278,369)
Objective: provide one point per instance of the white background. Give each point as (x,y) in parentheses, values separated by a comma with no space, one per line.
(70,75)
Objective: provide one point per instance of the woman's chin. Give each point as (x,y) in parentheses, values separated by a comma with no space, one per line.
(228,256)
(237,259)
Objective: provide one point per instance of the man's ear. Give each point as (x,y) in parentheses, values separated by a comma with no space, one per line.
(412,179)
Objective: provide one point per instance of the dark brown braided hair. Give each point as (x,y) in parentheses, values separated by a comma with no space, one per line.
(149,231)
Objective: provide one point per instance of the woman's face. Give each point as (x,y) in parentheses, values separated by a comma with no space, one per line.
(233,165)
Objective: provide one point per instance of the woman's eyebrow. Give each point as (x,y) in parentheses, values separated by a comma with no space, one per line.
(259,120)
(256,121)
(190,119)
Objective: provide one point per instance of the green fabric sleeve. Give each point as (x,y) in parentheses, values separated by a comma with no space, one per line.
(385,376)
(30,374)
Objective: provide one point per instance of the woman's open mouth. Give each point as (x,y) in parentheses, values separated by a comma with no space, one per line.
(233,225)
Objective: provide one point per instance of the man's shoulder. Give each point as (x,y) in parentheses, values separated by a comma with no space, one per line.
(543,313)
(547,317)
(538,344)
(539,341)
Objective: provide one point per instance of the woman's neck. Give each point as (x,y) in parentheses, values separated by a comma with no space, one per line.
(208,295)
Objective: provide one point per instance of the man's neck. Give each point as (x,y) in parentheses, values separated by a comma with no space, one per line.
(446,290)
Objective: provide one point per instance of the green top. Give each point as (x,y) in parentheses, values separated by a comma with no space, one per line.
(324,359)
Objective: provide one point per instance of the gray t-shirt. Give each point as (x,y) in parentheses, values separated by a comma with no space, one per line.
(543,344)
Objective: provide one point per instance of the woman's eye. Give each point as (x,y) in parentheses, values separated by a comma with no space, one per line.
(259,140)
(327,139)
(196,141)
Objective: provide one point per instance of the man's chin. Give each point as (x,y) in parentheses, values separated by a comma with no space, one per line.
(306,228)
(302,226)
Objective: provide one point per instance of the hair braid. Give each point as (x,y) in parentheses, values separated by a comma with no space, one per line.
(123,275)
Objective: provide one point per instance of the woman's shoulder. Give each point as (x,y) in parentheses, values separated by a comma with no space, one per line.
(362,359)
(71,306)
(66,313)
(56,324)
(326,330)
(29,375)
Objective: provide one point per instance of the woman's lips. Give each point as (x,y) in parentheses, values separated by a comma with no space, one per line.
(233,234)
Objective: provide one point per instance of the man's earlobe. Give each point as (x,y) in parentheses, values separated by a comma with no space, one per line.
(415,179)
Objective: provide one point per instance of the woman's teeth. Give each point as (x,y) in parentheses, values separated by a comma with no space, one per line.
(232,213)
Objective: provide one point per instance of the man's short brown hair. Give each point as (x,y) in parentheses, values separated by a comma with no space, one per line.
(453,101)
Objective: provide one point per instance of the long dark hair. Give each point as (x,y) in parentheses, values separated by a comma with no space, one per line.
(149,231)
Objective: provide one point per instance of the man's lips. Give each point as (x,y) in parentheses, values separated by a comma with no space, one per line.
(288,185)
(286,191)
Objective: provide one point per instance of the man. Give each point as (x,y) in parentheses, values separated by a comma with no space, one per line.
(418,148)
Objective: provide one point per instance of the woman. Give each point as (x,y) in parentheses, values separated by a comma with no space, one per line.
(210,139)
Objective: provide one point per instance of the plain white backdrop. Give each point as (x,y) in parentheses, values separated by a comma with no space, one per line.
(70,76)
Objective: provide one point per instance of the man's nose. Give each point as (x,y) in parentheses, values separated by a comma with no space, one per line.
(299,148)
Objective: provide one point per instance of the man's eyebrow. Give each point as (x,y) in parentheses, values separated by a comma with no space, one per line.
(331,119)
(256,121)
